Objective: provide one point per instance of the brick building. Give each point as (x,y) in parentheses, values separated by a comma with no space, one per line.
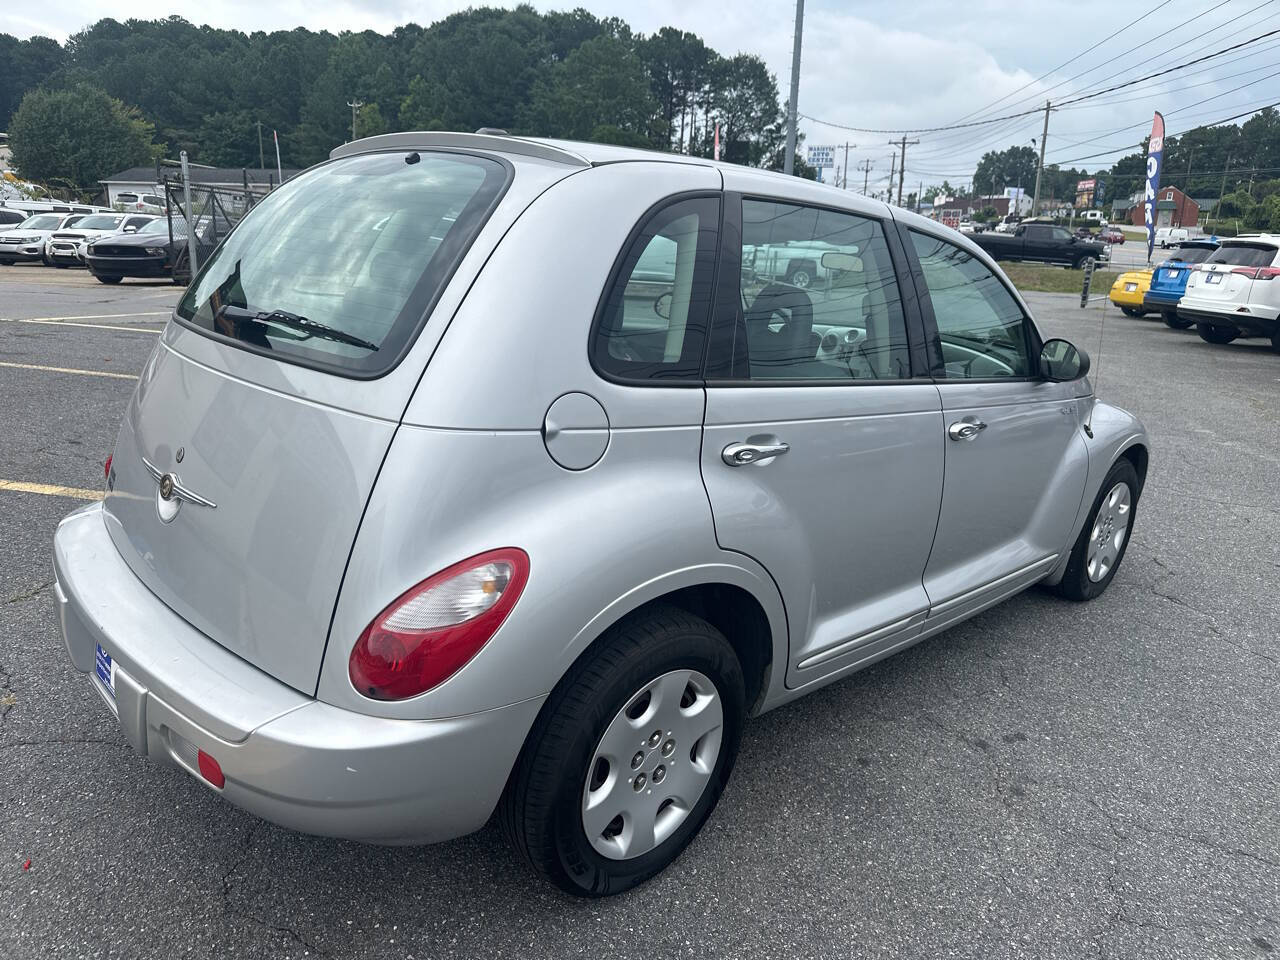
(1173,209)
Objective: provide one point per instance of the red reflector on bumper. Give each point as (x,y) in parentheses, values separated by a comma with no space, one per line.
(210,770)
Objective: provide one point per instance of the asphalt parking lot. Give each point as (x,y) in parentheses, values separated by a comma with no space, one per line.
(1047,780)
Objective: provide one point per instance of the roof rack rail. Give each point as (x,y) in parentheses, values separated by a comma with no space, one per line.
(473,141)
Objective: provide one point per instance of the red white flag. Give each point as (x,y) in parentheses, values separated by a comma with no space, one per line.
(717,156)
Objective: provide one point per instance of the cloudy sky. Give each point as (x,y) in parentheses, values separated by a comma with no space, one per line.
(888,66)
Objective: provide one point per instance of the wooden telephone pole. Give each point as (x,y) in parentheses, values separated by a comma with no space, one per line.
(902,167)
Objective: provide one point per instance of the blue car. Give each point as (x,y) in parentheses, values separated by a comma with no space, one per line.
(1169,280)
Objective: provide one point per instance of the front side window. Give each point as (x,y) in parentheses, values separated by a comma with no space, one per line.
(339,266)
(819,296)
(653,319)
(982,330)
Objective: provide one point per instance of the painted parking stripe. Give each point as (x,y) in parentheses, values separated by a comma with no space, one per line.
(83,373)
(103,316)
(51,490)
(95,326)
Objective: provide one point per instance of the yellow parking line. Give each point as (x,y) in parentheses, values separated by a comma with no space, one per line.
(51,490)
(83,373)
(54,322)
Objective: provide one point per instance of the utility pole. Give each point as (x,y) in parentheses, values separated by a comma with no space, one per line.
(865,167)
(1035,200)
(902,167)
(893,165)
(846,164)
(262,164)
(1217,211)
(919,194)
(788,162)
(355,105)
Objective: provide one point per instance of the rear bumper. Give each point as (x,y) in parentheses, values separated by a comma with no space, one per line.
(286,757)
(1153,300)
(1257,319)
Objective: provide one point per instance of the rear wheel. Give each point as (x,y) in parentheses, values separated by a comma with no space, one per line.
(1212,333)
(629,755)
(1098,550)
(1275,338)
(1131,311)
(1172,319)
(102,279)
(800,277)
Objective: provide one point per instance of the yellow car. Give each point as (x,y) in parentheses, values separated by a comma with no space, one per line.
(1129,289)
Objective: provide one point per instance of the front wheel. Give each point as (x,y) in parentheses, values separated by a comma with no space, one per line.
(1212,333)
(1172,319)
(1098,550)
(629,755)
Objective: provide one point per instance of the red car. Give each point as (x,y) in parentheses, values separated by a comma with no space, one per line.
(1111,235)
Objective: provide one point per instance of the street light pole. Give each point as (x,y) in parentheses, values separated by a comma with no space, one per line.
(788,162)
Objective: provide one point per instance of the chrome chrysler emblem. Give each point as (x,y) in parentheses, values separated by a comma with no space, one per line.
(172,494)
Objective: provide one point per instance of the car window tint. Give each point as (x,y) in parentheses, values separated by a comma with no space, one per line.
(982,330)
(653,318)
(362,245)
(1244,255)
(819,298)
(1192,254)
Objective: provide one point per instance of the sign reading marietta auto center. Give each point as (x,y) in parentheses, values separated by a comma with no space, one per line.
(821,156)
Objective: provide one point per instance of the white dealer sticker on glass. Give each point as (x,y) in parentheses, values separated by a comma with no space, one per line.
(106,668)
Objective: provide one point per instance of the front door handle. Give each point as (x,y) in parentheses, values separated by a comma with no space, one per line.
(966,429)
(753,451)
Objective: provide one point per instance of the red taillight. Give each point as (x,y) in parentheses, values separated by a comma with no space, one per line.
(430,632)
(1258,273)
(210,769)
(106,467)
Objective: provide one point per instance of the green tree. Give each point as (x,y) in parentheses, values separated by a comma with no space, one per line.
(602,83)
(78,134)
(1013,167)
(742,97)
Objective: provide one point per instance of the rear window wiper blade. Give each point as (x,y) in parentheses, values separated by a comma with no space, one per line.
(292,321)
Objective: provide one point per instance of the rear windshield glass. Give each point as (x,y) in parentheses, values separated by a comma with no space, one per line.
(1193,254)
(1244,255)
(338,267)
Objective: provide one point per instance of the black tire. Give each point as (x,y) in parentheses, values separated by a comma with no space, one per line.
(1275,339)
(105,279)
(801,276)
(1212,333)
(1172,319)
(44,258)
(1132,311)
(541,809)
(1076,583)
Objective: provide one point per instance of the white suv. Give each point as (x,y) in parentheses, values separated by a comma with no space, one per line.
(1236,292)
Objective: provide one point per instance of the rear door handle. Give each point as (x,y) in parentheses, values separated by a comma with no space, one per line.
(752,451)
(965,429)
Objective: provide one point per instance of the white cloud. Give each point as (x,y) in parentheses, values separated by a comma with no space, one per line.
(916,64)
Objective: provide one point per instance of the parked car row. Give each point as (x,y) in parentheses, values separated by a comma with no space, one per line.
(1222,288)
(112,245)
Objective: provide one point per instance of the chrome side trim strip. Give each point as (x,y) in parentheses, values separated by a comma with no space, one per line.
(1041,565)
(871,636)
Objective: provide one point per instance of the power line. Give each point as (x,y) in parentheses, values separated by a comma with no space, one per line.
(1077,99)
(1067,62)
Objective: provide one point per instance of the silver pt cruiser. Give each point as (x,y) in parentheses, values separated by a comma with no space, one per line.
(475,473)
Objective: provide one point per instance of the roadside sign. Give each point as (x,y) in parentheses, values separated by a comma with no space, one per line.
(820,157)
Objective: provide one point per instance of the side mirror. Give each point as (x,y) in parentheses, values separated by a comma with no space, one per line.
(1062,361)
(130,229)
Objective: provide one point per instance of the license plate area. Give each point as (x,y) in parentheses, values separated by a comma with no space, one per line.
(1213,278)
(1130,287)
(105,668)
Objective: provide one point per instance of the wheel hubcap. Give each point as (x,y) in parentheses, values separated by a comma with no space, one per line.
(652,764)
(1110,527)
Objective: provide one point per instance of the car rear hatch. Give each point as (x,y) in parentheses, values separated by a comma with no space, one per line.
(248,452)
(1227,277)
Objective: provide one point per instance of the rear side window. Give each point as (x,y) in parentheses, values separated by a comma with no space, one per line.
(652,321)
(1244,254)
(819,297)
(339,267)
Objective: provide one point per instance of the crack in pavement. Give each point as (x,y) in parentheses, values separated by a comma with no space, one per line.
(234,911)
(18,598)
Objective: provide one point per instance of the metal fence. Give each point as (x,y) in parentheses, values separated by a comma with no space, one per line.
(213,211)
